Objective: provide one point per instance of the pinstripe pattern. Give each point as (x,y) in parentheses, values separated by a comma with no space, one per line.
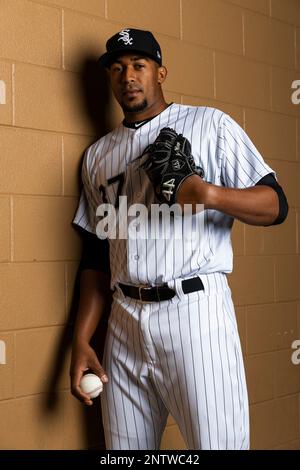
(181,356)
(219,146)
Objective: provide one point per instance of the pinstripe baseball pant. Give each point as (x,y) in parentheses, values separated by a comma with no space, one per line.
(181,356)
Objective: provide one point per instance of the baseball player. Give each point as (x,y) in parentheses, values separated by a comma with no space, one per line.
(172,344)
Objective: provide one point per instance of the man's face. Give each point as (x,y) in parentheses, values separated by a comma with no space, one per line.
(135,82)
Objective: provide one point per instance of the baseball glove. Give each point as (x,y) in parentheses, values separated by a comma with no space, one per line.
(168,163)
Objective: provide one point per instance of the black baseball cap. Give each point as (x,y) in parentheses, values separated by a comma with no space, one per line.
(131,40)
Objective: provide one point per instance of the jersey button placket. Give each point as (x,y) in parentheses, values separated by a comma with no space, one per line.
(132,248)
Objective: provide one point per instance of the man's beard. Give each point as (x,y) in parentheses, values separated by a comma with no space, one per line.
(135,109)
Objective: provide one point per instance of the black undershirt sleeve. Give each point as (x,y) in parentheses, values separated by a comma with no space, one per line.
(270,180)
(95,253)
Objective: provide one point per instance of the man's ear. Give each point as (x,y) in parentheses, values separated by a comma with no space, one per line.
(162,74)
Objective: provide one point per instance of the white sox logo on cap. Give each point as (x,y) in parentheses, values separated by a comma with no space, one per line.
(129,39)
(124,36)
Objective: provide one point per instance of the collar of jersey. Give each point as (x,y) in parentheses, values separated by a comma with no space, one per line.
(137,124)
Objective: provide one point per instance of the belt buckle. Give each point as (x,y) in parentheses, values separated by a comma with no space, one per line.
(140,290)
(154,289)
(140,295)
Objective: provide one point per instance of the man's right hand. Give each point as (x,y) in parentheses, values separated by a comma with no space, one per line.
(84,358)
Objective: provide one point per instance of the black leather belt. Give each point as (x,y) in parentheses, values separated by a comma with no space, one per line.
(161,292)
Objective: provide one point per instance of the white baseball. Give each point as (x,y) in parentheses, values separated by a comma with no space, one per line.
(91,385)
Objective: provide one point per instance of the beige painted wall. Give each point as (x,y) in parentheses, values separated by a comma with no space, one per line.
(240,56)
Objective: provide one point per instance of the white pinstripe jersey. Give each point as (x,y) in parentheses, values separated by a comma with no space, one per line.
(219,146)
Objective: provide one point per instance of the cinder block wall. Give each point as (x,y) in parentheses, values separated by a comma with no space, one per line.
(241,56)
